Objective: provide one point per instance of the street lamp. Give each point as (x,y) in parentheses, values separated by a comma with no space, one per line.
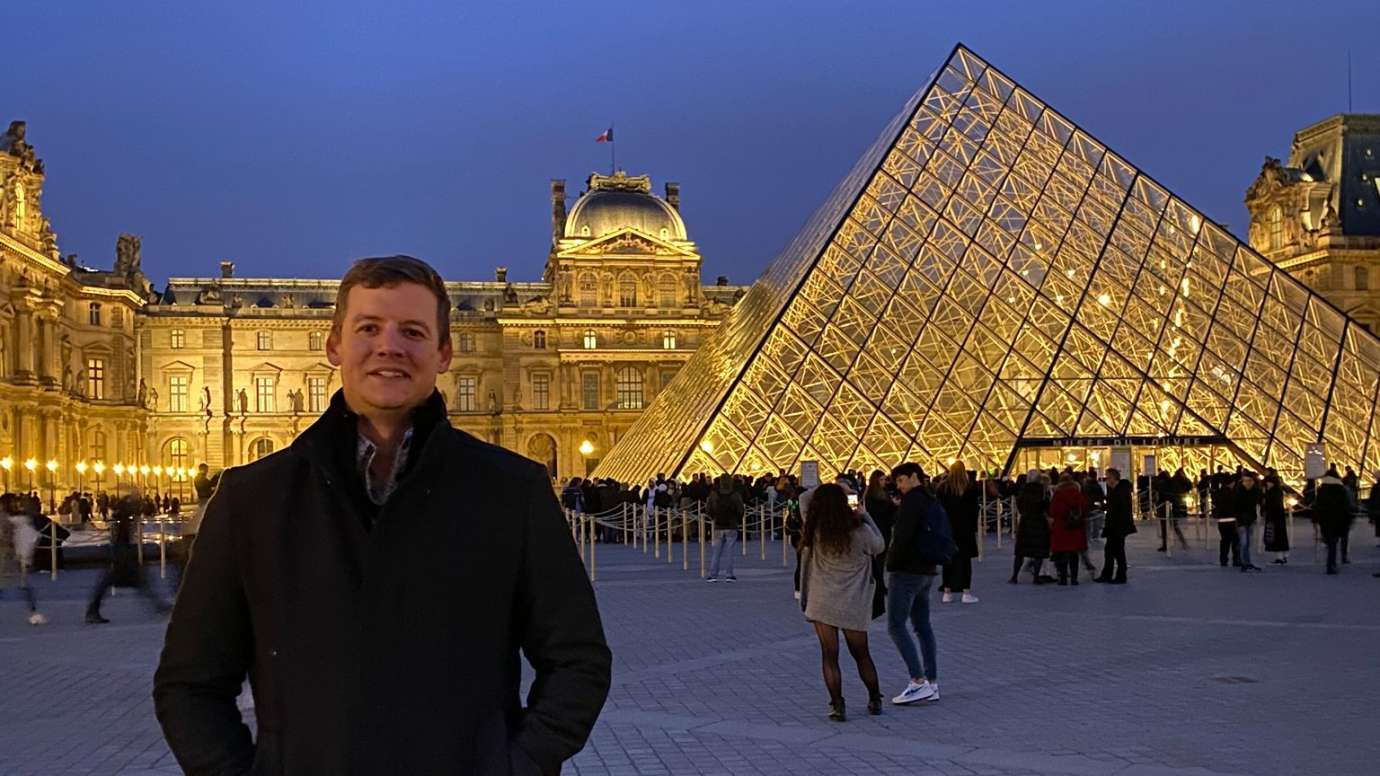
(51,466)
(81,476)
(158,480)
(99,468)
(31,464)
(182,473)
(586,449)
(144,472)
(119,470)
(6,463)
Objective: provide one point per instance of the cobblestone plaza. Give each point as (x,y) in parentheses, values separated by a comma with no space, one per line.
(1189,669)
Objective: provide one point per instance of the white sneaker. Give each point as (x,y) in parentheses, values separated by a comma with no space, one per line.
(923,691)
(37,618)
(948,598)
(933,686)
(969,598)
(711,579)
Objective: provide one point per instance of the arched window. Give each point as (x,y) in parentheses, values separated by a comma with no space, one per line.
(539,339)
(666,291)
(175,453)
(628,388)
(98,445)
(589,290)
(1362,279)
(260,447)
(668,340)
(627,291)
(1276,227)
(591,340)
(314,341)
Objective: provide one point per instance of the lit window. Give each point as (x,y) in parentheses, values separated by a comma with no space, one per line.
(263,394)
(316,394)
(1276,227)
(627,291)
(98,445)
(314,340)
(176,453)
(177,339)
(541,391)
(589,390)
(668,340)
(262,447)
(177,393)
(93,314)
(539,339)
(591,339)
(466,389)
(265,340)
(628,384)
(466,342)
(95,378)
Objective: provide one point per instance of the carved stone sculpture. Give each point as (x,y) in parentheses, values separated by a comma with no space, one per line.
(242,399)
(127,254)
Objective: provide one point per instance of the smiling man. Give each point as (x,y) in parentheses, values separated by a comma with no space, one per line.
(377,580)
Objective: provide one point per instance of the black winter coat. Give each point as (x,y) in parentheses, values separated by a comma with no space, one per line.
(384,650)
(1032,533)
(1120,521)
(1332,507)
(963,510)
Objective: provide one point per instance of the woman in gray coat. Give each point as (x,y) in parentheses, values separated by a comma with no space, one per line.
(837,586)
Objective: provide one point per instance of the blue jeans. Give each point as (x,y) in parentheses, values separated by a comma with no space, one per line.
(1243,539)
(725,539)
(908,597)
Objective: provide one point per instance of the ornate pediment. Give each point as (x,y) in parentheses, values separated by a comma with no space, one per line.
(627,242)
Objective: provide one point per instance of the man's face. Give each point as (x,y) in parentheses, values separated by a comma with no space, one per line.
(906,482)
(1112,479)
(387,347)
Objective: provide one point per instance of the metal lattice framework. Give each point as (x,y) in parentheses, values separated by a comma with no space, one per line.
(990,276)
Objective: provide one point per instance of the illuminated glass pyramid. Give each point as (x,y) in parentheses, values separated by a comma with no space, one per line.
(990,277)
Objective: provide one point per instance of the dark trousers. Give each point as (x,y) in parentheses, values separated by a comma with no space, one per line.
(1067,565)
(1114,558)
(958,573)
(1332,552)
(1228,544)
(1165,525)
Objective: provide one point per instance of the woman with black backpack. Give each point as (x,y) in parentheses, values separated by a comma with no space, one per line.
(1068,535)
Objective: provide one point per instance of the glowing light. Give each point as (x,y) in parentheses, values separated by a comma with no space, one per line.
(1195,223)
(144,470)
(1104,299)
(99,467)
(118,468)
(158,471)
(31,464)
(81,467)
(6,463)
(586,447)
(51,465)
(707,447)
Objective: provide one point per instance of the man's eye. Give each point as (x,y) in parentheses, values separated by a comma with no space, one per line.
(367,328)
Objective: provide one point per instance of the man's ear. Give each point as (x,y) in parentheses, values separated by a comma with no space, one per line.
(333,347)
(447,352)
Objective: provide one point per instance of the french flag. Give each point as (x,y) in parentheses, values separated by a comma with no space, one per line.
(605,137)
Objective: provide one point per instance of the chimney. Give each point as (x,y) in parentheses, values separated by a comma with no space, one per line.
(227,269)
(721,280)
(673,195)
(557,209)
(501,274)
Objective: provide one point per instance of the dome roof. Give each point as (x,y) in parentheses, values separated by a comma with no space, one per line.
(618,202)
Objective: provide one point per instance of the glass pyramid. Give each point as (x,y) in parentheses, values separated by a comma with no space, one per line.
(990,277)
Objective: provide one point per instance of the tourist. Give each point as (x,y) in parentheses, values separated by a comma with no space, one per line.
(837,587)
(1224,512)
(961,498)
(1245,499)
(1118,524)
(1068,534)
(1032,533)
(1332,511)
(124,569)
(17,541)
(725,508)
(909,579)
(1276,518)
(380,580)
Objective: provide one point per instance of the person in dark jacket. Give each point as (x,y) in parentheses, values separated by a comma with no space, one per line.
(1245,499)
(124,569)
(1276,518)
(1224,514)
(1119,524)
(1032,533)
(725,507)
(380,579)
(1332,510)
(909,579)
(961,498)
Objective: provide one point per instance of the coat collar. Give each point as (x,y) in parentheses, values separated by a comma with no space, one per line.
(330,442)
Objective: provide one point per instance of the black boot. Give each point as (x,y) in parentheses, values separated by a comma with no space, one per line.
(93,617)
(874,705)
(836,712)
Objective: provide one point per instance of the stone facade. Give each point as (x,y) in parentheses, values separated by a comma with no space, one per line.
(1318,215)
(99,366)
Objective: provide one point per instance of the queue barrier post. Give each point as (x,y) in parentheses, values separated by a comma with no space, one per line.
(52,552)
(592,532)
(701,521)
(761,531)
(656,532)
(162,552)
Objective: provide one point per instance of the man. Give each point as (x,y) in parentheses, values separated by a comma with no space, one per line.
(908,582)
(1332,510)
(377,579)
(725,508)
(1246,502)
(1224,512)
(1119,524)
(124,569)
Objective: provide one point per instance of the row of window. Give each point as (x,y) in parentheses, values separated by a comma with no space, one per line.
(666,291)
(94,317)
(177,339)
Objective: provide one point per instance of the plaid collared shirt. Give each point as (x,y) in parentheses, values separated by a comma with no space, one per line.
(364,459)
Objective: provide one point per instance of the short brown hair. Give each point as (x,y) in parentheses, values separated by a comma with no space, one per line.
(389,271)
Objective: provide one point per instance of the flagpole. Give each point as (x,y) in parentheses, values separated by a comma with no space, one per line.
(613,154)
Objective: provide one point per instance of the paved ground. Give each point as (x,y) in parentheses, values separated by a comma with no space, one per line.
(1190,669)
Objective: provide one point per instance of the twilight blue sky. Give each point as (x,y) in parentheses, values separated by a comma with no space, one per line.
(291,136)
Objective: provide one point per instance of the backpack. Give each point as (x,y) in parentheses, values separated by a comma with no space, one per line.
(934,541)
(1073,517)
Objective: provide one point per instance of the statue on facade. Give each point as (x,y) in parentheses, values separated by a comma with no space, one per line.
(47,240)
(296,400)
(143,395)
(208,295)
(153,398)
(493,403)
(242,399)
(14,144)
(127,254)
(80,388)
(67,378)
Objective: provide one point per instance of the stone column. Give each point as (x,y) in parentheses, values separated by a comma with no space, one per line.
(24,343)
(50,374)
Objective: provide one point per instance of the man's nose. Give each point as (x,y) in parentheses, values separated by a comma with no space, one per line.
(390,341)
